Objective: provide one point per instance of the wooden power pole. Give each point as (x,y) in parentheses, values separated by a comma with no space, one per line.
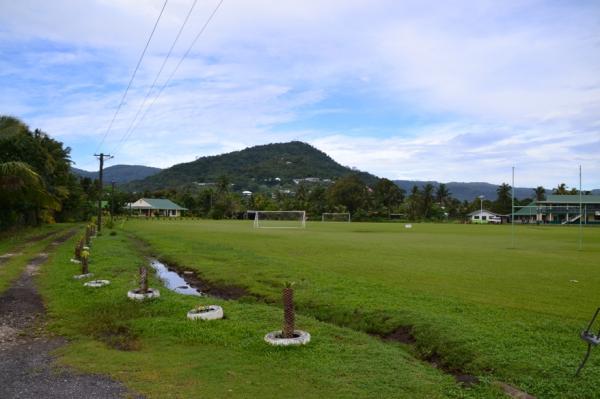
(101,157)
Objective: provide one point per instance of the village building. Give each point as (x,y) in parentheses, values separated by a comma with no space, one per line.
(484,216)
(561,209)
(155,207)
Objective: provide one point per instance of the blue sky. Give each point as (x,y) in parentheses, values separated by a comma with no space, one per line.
(448,91)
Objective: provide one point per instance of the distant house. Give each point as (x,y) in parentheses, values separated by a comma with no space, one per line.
(156,207)
(485,216)
(561,209)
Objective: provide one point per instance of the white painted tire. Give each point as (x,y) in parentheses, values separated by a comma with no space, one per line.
(73,260)
(274,338)
(82,276)
(96,283)
(215,313)
(85,248)
(152,293)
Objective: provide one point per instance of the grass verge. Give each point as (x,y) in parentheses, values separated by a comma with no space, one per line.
(156,351)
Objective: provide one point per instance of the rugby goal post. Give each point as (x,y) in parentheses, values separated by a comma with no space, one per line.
(336,217)
(279,219)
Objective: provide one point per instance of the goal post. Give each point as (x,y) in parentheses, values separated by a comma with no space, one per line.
(279,219)
(336,217)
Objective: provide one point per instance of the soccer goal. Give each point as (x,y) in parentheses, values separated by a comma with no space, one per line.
(279,219)
(335,217)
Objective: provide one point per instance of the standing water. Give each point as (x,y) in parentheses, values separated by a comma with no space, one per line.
(172,280)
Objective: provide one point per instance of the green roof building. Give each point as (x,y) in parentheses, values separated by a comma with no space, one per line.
(561,209)
(156,207)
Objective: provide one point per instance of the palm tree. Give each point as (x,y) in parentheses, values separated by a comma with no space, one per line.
(442,194)
(561,189)
(427,200)
(540,193)
(15,176)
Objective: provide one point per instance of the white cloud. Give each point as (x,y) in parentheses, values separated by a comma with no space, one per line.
(491,84)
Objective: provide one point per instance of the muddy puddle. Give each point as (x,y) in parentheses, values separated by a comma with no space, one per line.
(173,280)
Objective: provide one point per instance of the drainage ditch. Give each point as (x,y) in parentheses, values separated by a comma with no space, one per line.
(188,282)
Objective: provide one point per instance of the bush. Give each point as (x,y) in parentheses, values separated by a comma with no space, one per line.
(113,233)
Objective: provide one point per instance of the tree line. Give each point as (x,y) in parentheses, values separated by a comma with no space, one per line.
(37,186)
(36,183)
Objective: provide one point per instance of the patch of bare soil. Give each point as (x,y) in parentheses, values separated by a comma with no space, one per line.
(26,364)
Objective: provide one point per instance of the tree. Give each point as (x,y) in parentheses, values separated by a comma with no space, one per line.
(561,189)
(413,203)
(503,203)
(540,193)
(387,194)
(22,152)
(442,194)
(349,192)
(317,200)
(427,201)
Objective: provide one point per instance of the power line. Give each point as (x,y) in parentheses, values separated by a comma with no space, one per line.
(158,74)
(176,69)
(133,76)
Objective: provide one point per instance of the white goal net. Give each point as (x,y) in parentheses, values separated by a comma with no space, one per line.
(279,219)
(335,217)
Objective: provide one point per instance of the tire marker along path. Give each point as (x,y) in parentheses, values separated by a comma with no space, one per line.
(26,362)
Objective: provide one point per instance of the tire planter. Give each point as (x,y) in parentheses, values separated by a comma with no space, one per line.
(214,313)
(73,260)
(86,248)
(136,295)
(82,276)
(275,338)
(96,283)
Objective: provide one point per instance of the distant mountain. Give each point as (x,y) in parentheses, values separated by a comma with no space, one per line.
(468,191)
(120,173)
(255,168)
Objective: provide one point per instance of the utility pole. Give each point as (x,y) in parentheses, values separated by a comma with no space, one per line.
(512,209)
(101,158)
(112,201)
(580,215)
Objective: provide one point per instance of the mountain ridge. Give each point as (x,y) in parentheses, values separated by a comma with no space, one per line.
(120,174)
(254,168)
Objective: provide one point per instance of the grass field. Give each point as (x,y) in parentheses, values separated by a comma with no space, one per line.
(509,315)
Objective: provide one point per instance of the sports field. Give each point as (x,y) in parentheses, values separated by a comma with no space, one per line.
(474,306)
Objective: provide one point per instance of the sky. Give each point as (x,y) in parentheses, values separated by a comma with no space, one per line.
(416,90)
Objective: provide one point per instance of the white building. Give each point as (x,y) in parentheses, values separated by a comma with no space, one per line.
(484,216)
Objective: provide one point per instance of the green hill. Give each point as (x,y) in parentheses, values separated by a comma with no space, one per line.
(119,173)
(253,168)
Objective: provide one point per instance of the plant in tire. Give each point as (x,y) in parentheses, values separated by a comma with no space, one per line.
(288,311)
(84,262)
(143,280)
(78,249)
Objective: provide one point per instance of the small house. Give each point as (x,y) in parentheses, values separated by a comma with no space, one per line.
(484,216)
(156,207)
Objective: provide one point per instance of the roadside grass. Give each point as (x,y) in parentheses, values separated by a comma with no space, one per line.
(473,303)
(153,349)
(15,238)
(23,250)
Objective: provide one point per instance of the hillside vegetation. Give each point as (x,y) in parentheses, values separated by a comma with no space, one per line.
(251,168)
(119,173)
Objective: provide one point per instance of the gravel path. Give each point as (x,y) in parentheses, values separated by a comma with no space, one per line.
(27,369)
